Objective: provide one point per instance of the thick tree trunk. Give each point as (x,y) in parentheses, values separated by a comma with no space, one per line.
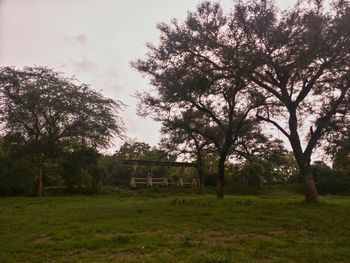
(310,190)
(39,171)
(302,159)
(221,178)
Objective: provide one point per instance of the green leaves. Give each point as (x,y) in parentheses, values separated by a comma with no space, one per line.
(48,109)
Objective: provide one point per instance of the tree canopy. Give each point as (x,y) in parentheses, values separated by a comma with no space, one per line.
(290,68)
(197,84)
(44,112)
(300,61)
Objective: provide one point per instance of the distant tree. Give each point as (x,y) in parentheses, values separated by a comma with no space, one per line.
(179,138)
(330,181)
(259,148)
(300,60)
(133,150)
(119,173)
(17,172)
(82,170)
(44,112)
(192,76)
(340,151)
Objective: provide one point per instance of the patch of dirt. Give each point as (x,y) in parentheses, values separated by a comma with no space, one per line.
(129,254)
(43,240)
(279,233)
(305,233)
(221,238)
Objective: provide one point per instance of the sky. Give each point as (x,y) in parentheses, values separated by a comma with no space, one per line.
(93,40)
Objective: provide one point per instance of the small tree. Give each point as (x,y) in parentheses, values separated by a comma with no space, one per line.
(179,138)
(266,150)
(340,151)
(82,170)
(17,172)
(51,112)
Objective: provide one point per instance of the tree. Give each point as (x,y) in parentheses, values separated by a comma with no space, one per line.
(179,138)
(17,172)
(195,80)
(119,173)
(257,147)
(82,170)
(133,149)
(330,181)
(340,151)
(300,60)
(45,112)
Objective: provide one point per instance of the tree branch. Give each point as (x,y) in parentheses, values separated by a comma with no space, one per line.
(274,123)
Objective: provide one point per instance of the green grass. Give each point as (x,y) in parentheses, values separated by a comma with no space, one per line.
(156,226)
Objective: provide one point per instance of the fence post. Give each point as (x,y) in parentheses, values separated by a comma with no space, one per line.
(132,181)
(149,179)
(194,182)
(182,173)
(165,181)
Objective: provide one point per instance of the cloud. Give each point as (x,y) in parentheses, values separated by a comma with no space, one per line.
(85,65)
(81,39)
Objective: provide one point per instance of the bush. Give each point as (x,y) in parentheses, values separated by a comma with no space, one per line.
(330,181)
(82,171)
(17,175)
(253,172)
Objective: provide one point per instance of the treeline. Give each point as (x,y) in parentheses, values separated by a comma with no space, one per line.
(219,81)
(80,170)
(86,171)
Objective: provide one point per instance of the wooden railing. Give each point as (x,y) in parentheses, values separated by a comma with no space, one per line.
(136,182)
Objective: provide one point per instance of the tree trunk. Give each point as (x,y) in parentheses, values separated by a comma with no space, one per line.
(221,178)
(311,195)
(39,171)
(302,160)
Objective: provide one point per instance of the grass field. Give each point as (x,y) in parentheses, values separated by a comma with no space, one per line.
(174,227)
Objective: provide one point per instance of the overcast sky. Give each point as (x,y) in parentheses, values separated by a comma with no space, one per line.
(94,40)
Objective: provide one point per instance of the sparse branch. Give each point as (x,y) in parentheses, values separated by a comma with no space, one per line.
(322,123)
(274,123)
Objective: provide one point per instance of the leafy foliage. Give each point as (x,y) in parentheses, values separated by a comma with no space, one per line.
(330,181)
(45,113)
(119,173)
(197,89)
(46,109)
(300,60)
(340,151)
(82,171)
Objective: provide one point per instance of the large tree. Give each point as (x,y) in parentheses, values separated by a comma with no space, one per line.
(300,59)
(191,73)
(45,112)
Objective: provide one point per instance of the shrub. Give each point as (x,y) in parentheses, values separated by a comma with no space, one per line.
(82,171)
(330,181)
(16,175)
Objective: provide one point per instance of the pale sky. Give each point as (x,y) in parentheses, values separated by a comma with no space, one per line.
(94,40)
